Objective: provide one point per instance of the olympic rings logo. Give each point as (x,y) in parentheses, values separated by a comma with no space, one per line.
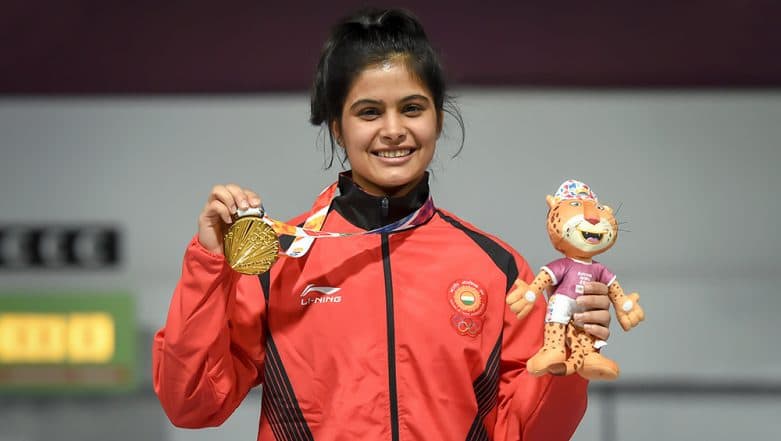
(465,325)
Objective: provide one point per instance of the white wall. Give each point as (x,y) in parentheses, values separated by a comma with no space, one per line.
(694,171)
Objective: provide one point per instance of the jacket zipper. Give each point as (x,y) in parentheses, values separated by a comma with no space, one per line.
(394,404)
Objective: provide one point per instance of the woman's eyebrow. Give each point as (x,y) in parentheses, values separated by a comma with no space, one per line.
(415,97)
(365,101)
(373,102)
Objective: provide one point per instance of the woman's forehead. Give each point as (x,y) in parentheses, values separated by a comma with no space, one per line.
(389,80)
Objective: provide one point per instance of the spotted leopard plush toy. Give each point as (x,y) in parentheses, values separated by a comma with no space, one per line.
(580,228)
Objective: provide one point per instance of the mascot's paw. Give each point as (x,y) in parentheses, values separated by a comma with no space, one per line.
(545,358)
(558,369)
(630,313)
(521,299)
(597,367)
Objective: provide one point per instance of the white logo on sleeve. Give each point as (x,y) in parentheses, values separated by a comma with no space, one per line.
(319,294)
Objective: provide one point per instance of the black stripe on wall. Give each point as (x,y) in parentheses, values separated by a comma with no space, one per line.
(82,47)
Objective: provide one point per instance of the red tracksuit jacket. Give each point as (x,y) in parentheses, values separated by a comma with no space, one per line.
(401,336)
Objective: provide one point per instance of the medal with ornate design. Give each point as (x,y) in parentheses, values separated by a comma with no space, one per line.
(250,245)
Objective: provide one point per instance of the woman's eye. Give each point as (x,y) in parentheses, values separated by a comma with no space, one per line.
(412,109)
(369,113)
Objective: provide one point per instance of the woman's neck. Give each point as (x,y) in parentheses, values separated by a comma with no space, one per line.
(370,211)
(391,192)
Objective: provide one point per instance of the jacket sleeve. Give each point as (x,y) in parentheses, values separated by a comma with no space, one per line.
(546,408)
(210,352)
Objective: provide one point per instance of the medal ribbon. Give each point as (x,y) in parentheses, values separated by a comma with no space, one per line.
(305,236)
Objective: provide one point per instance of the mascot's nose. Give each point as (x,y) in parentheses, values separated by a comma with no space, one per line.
(592,220)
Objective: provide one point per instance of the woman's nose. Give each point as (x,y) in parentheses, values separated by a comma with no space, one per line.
(393,131)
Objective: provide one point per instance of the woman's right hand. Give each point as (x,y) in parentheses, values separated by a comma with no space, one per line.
(224,201)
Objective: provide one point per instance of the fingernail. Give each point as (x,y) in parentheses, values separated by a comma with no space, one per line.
(243,205)
(255,202)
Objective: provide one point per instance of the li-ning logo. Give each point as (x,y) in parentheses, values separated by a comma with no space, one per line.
(319,294)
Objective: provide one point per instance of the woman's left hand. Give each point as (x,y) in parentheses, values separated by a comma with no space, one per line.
(595,318)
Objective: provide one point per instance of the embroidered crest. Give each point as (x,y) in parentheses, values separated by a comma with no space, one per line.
(469,301)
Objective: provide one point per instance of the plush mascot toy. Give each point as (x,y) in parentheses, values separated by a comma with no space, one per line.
(580,228)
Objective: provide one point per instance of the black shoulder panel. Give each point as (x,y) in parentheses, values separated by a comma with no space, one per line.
(501,257)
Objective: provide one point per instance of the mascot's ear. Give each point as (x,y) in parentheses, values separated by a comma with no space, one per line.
(551,202)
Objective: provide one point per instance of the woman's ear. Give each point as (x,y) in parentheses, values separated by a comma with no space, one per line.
(336,132)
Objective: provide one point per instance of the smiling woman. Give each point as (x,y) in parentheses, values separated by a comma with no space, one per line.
(420,341)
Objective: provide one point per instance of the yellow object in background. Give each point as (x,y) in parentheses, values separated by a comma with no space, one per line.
(90,337)
(57,338)
(33,338)
(66,343)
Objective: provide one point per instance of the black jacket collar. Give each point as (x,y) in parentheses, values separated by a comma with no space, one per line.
(369,212)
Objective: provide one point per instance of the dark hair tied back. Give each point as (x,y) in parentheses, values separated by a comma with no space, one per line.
(368,38)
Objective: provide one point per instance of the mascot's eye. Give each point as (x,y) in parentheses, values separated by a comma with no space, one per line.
(599,207)
(575,203)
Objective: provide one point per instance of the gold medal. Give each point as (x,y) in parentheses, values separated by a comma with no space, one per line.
(251,246)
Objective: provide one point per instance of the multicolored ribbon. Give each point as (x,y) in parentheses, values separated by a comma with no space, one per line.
(305,236)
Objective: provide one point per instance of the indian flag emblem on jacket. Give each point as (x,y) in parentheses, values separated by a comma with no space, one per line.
(467,297)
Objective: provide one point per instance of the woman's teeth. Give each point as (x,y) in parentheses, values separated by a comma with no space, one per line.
(393,153)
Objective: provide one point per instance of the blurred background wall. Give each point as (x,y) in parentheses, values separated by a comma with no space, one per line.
(126,118)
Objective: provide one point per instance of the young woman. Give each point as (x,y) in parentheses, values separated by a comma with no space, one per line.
(403,335)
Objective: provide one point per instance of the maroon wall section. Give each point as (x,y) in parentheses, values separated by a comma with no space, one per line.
(198,46)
